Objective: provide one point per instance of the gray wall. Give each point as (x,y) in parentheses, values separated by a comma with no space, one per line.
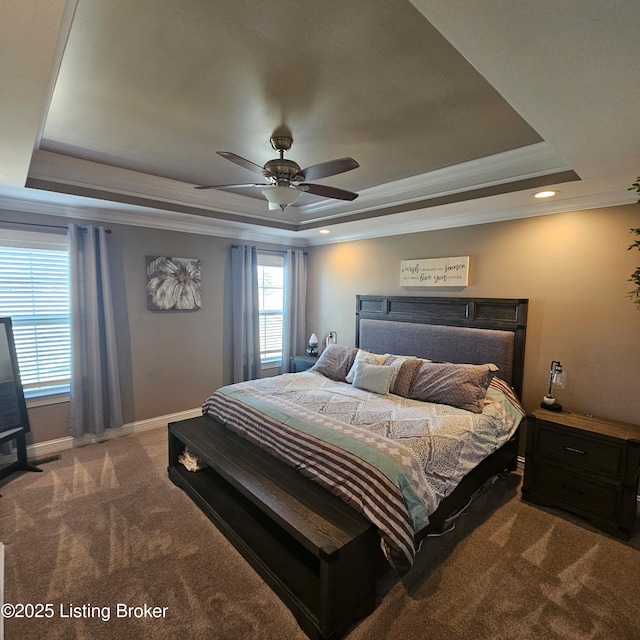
(573,267)
(169,361)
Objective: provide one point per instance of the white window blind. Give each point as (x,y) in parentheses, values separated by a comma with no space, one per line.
(34,292)
(271,304)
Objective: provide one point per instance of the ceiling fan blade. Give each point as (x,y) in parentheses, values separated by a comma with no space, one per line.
(326,169)
(243,162)
(328,192)
(235,186)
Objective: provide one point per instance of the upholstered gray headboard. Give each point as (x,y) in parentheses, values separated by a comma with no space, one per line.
(438,343)
(461,330)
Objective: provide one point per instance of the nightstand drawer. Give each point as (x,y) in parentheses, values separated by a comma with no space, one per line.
(577,449)
(565,489)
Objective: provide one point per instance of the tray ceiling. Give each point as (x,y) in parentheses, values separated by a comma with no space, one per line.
(142,95)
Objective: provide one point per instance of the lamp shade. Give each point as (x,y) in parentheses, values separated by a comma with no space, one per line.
(557,380)
(280,197)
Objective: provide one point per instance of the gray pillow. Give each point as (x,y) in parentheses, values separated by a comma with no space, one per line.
(458,385)
(335,361)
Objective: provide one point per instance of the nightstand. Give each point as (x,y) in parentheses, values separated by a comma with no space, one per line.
(301,363)
(588,466)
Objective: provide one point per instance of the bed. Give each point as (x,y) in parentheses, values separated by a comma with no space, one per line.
(294,468)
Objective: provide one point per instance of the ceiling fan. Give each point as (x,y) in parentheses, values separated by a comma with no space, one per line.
(286,181)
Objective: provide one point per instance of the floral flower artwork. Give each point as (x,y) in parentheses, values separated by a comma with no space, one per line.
(173,283)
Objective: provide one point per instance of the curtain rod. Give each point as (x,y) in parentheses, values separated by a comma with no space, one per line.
(50,226)
(282,251)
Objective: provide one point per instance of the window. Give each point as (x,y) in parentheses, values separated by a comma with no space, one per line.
(34,292)
(271,304)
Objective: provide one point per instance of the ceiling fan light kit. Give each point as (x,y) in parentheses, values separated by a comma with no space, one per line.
(280,197)
(286,180)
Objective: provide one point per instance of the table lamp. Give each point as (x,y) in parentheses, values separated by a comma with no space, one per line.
(312,349)
(556,380)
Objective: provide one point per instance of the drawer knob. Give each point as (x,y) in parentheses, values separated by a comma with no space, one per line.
(574,450)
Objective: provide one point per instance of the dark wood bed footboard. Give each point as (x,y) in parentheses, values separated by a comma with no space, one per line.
(320,556)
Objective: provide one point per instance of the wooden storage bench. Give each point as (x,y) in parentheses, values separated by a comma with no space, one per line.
(320,556)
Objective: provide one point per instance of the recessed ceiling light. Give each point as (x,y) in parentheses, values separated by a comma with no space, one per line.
(545,194)
(324,231)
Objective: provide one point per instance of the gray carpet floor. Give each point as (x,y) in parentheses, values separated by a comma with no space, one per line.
(103,528)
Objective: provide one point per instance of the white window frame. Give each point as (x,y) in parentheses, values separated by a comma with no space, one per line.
(270,259)
(38,394)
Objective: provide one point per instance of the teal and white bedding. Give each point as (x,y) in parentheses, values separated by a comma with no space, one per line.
(391,458)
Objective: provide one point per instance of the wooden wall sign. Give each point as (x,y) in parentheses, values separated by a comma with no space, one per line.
(435,272)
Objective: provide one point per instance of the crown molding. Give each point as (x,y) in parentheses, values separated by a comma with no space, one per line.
(396,224)
(149,219)
(516,165)
(60,171)
(52,171)
(444,218)
(474,192)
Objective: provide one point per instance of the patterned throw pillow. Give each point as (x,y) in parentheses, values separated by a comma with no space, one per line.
(373,377)
(335,362)
(458,385)
(409,366)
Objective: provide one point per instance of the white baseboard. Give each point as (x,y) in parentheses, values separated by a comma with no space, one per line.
(41,450)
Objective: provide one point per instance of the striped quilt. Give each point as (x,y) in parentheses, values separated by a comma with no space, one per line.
(390,458)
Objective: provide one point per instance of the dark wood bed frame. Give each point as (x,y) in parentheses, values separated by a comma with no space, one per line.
(321,557)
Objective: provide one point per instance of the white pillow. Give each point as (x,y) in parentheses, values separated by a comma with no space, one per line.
(365,356)
(374,377)
(395,365)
